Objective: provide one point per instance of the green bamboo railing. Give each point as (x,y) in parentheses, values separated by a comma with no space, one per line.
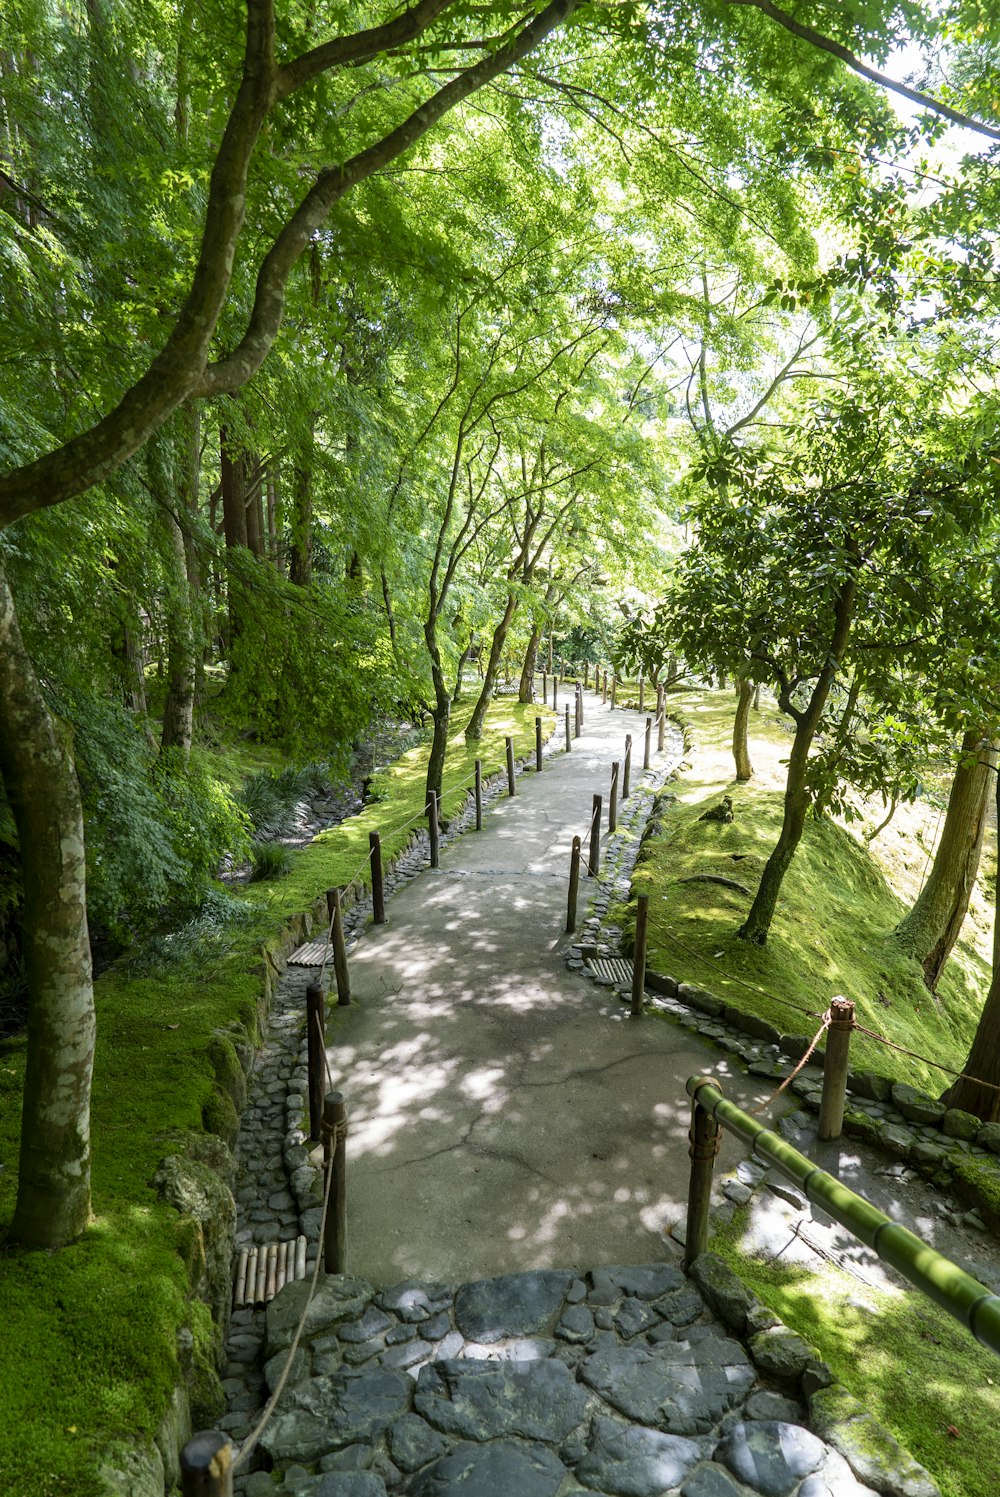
(935,1275)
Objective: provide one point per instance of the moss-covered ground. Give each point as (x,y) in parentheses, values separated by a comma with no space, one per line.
(88,1336)
(839,904)
(917,1371)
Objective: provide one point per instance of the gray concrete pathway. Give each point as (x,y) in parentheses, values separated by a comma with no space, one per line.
(506,1113)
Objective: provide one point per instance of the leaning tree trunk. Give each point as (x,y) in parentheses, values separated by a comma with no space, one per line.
(930,929)
(300,560)
(758,922)
(741,751)
(39,776)
(979,1089)
(474,727)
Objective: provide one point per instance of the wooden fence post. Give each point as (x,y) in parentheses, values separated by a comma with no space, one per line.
(627,766)
(569,741)
(340,971)
(642,695)
(545,689)
(661,727)
(586,673)
(702,1149)
(433,829)
(555,694)
(335,1160)
(510,766)
(613,798)
(639,954)
(614,692)
(574,886)
(594,855)
(578,713)
(207,1465)
(479,795)
(378,892)
(838,1044)
(604,690)
(315,1053)
(538,745)
(646,744)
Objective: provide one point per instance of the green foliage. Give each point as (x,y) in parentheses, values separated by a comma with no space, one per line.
(271,799)
(270,860)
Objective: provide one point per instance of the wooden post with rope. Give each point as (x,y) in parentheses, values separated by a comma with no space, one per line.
(574,886)
(627,766)
(838,1044)
(479,795)
(594,855)
(538,745)
(555,695)
(647,742)
(661,722)
(579,710)
(510,765)
(433,830)
(335,1160)
(316,1056)
(703,1145)
(545,689)
(613,798)
(639,954)
(336,913)
(604,691)
(642,695)
(207,1465)
(586,673)
(378,892)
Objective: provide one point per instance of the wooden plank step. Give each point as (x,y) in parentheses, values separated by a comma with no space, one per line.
(312,954)
(260,1271)
(610,969)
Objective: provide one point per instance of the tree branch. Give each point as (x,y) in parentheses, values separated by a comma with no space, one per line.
(827,44)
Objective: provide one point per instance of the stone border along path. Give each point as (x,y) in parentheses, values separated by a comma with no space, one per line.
(621,1379)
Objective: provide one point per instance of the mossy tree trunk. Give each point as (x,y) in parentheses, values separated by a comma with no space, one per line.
(39,776)
(300,560)
(757,924)
(526,689)
(978,1091)
(441,715)
(741,750)
(930,929)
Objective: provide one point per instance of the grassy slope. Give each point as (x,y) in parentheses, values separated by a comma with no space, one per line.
(837,908)
(916,1370)
(88,1350)
(911,1364)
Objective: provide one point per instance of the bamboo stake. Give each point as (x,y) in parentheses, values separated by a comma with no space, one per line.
(282,1272)
(260,1291)
(300,1257)
(250,1283)
(241,1279)
(272,1270)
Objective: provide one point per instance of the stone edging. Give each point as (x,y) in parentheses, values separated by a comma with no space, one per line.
(953,1149)
(873,1454)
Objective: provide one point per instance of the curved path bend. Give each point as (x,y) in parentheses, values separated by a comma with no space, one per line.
(505,1112)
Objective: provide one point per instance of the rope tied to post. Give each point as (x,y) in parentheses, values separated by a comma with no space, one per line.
(702,1153)
(824,1026)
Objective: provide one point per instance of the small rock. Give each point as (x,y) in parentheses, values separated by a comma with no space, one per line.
(770,1456)
(781,1354)
(916,1106)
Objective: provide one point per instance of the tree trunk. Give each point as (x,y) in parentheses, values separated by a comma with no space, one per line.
(36,763)
(526,691)
(178,707)
(441,716)
(234,505)
(757,924)
(456,695)
(982,1095)
(741,751)
(474,727)
(255,509)
(930,929)
(300,561)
